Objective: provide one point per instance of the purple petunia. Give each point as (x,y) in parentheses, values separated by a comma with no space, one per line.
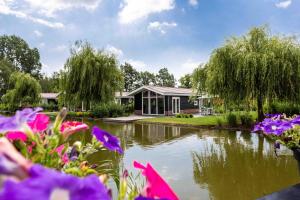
(15,122)
(45,184)
(109,141)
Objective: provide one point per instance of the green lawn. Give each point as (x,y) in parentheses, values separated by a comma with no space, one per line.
(196,121)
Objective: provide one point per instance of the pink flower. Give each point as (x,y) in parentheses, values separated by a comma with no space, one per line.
(69,127)
(40,123)
(65,158)
(16,135)
(30,147)
(60,149)
(156,186)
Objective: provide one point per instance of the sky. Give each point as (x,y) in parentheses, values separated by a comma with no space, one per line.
(149,34)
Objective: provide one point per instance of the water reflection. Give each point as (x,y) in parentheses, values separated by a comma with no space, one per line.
(237,169)
(202,164)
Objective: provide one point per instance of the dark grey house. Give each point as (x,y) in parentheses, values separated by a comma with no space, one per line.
(154,100)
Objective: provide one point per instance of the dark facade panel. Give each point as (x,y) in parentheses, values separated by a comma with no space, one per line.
(138,101)
(185,103)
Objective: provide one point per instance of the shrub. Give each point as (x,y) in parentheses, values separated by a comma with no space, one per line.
(246,120)
(219,121)
(108,110)
(231,119)
(284,107)
(182,115)
(49,107)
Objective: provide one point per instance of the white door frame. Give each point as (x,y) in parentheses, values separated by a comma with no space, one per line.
(177,101)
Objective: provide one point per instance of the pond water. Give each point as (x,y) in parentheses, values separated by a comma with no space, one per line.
(203,164)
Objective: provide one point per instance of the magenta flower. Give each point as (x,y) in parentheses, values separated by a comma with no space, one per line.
(16,135)
(69,127)
(146,198)
(156,186)
(40,123)
(15,122)
(45,184)
(109,141)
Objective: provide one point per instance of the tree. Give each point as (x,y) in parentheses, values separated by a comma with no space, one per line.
(186,81)
(146,78)
(18,52)
(257,66)
(164,78)
(6,69)
(50,83)
(24,90)
(91,76)
(131,77)
(199,77)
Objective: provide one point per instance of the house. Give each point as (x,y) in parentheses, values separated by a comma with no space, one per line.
(123,98)
(155,100)
(49,98)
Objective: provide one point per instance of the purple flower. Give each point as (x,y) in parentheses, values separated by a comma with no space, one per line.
(15,122)
(109,141)
(11,168)
(45,184)
(296,120)
(277,127)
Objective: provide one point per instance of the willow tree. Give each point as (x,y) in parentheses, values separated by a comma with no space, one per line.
(91,76)
(257,66)
(24,90)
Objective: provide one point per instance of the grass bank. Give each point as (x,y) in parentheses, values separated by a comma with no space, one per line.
(214,121)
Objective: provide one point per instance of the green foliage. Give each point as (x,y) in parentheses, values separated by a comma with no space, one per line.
(287,108)
(23,90)
(186,81)
(131,77)
(51,83)
(257,66)
(80,114)
(199,78)
(17,51)
(91,76)
(6,69)
(182,115)
(246,119)
(164,78)
(49,107)
(147,78)
(232,119)
(108,110)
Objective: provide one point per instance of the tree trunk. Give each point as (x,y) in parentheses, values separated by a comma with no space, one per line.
(260,112)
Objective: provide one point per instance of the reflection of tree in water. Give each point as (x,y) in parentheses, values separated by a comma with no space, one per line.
(234,171)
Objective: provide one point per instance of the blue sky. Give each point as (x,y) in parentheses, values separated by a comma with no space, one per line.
(149,34)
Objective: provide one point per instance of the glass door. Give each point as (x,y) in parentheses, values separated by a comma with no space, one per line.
(175,105)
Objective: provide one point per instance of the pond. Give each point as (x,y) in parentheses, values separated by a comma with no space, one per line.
(204,164)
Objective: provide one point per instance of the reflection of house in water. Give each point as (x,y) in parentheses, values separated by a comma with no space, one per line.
(149,134)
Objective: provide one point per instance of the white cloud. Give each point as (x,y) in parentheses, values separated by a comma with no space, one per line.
(42,44)
(50,7)
(60,48)
(161,26)
(6,8)
(132,10)
(114,50)
(190,65)
(38,33)
(193,2)
(284,4)
(139,65)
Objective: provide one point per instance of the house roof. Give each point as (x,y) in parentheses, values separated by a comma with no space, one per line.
(49,95)
(122,95)
(165,90)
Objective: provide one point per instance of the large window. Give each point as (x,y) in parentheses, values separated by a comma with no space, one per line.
(153,103)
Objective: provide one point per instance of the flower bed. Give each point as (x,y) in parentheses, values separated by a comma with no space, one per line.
(38,162)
